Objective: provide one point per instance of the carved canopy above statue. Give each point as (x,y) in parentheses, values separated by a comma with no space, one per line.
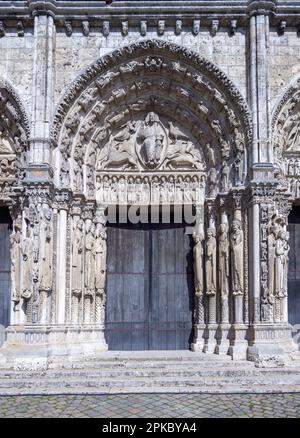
(151,107)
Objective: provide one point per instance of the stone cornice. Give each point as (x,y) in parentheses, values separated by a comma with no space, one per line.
(134,11)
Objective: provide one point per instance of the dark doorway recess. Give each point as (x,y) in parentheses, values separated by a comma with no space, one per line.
(294,273)
(149,287)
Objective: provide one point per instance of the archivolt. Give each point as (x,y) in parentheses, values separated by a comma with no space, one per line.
(14,133)
(151,76)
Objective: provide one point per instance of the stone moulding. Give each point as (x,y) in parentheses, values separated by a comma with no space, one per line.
(163,48)
(4,84)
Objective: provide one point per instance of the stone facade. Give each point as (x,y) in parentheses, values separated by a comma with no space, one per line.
(151,105)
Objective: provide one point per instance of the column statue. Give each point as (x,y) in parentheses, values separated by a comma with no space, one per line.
(237,248)
(210,262)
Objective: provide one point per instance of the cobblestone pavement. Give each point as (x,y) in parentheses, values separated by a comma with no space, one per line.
(152,406)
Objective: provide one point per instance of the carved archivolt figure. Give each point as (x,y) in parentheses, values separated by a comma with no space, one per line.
(223,260)
(77,247)
(210,261)
(198,264)
(237,247)
(100,257)
(89,265)
(46,262)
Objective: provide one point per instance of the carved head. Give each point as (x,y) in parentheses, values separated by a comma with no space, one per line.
(161,27)
(143,28)
(211,232)
(124,28)
(105,28)
(178,27)
(223,228)
(151,118)
(236,225)
(196,27)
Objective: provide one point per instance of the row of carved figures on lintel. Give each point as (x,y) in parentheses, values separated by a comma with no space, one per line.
(135,190)
(88,273)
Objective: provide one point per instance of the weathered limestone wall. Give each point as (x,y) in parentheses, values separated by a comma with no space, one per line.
(284,61)
(74,53)
(16,63)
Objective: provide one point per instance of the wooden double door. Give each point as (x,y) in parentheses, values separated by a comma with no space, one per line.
(149,287)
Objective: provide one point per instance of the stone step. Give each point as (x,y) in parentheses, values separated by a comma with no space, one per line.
(138,382)
(144,364)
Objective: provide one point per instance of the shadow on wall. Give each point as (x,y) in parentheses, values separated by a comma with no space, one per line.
(2,335)
(296,334)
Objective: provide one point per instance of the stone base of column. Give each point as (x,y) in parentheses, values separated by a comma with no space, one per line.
(38,344)
(223,341)
(198,341)
(238,335)
(271,342)
(210,336)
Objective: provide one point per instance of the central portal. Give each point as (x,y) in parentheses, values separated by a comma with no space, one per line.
(149,287)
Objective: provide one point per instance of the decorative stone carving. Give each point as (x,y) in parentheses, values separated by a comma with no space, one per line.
(89,263)
(198,264)
(224,271)
(196,27)
(27,263)
(178,27)
(210,262)
(77,249)
(20,28)
(105,28)
(15,242)
(237,248)
(151,141)
(86,28)
(214,27)
(46,257)
(143,28)
(68,28)
(160,27)
(124,28)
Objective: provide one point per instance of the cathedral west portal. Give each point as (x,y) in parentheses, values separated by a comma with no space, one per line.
(149,178)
